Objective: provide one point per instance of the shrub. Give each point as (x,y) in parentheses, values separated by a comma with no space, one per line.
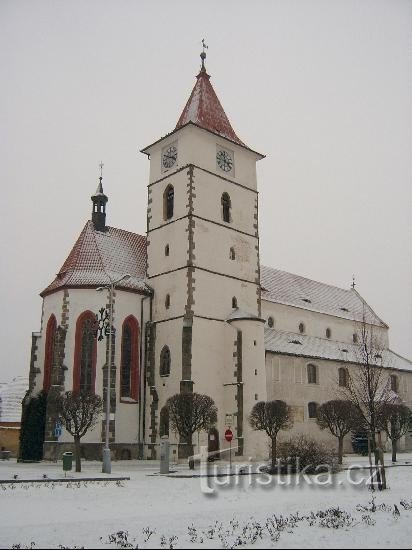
(302,453)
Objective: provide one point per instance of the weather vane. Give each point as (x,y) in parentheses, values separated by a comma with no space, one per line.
(203,54)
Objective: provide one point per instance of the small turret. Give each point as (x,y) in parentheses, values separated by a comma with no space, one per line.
(99,200)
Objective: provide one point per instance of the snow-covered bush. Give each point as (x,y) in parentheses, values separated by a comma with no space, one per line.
(304,454)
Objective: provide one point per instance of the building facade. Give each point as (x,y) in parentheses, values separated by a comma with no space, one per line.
(197,312)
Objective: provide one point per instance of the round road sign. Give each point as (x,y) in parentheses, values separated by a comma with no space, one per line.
(228,435)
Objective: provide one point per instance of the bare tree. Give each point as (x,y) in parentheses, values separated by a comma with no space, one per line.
(368,389)
(340,418)
(78,413)
(271,417)
(396,422)
(190,413)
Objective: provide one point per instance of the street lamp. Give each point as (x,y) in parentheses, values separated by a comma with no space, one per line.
(107,464)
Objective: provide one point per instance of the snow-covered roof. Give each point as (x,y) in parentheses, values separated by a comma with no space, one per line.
(204,109)
(290,343)
(242,315)
(100,257)
(286,288)
(11,396)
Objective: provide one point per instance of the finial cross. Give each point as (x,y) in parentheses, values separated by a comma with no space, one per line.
(353,285)
(205,47)
(101,168)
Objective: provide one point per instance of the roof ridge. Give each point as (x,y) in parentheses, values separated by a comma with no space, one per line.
(308,279)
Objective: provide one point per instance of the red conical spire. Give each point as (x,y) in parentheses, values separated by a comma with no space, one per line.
(204,108)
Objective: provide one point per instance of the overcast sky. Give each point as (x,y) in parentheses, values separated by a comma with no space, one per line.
(323,88)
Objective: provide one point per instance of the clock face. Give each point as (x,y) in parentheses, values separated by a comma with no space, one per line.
(224,160)
(169,156)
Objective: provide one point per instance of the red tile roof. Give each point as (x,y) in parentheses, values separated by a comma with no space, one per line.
(204,109)
(99,257)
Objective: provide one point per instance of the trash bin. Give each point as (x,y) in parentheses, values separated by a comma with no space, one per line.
(67,461)
(5,455)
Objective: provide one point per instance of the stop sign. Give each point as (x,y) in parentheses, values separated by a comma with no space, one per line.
(228,435)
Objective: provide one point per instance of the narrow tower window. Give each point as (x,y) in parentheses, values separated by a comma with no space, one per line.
(301,328)
(271,322)
(168,202)
(167,301)
(232,253)
(167,250)
(343,377)
(226,206)
(165,361)
(234,302)
(328,333)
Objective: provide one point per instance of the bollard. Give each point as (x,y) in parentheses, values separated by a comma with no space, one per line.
(164,455)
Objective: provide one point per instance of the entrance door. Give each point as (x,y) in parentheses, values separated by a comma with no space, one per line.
(213,444)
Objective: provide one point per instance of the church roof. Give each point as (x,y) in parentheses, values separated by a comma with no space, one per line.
(100,257)
(285,288)
(290,343)
(204,109)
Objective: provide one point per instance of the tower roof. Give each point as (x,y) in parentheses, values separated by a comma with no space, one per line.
(204,109)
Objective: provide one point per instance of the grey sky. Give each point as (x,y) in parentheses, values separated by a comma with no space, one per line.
(323,88)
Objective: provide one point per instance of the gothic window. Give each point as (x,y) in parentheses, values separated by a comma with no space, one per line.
(312,374)
(164,422)
(168,202)
(343,377)
(234,302)
(232,253)
(129,366)
(312,410)
(301,328)
(165,361)
(84,372)
(394,383)
(271,322)
(328,333)
(226,206)
(49,352)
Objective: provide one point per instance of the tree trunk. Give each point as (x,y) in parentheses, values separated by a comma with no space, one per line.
(274,454)
(394,450)
(340,449)
(77,454)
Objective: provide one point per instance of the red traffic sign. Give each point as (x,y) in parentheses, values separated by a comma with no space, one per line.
(228,435)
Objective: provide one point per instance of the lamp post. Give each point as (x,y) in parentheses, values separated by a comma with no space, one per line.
(107,464)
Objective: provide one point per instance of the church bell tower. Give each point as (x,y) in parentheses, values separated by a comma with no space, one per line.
(203,264)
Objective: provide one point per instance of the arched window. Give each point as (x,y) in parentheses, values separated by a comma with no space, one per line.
(167,301)
(312,374)
(312,410)
(84,372)
(343,377)
(49,352)
(226,206)
(234,302)
(232,253)
(394,383)
(328,333)
(129,366)
(301,328)
(168,202)
(164,422)
(271,322)
(165,361)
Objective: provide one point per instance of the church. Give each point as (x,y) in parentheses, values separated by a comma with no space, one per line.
(193,308)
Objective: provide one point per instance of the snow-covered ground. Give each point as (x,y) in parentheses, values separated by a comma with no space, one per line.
(86,514)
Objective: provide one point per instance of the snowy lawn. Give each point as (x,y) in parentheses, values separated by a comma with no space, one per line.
(173,512)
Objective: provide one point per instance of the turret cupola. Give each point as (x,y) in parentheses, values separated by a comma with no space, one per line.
(99,200)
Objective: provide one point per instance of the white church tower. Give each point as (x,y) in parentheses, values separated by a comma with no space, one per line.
(207,335)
